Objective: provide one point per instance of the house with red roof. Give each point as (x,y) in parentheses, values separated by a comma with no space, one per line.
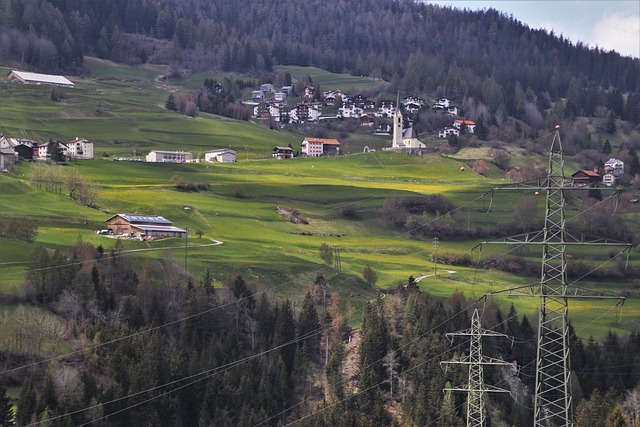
(585,177)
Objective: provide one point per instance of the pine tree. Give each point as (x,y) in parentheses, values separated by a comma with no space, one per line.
(6,409)
(171,103)
(26,402)
(606,147)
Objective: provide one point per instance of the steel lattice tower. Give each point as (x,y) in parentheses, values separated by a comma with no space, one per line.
(476,361)
(553,387)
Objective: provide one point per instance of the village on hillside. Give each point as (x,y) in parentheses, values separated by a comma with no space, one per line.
(387,118)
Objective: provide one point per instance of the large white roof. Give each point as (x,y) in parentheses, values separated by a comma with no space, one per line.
(44,78)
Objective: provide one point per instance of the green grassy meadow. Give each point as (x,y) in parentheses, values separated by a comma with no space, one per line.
(240,210)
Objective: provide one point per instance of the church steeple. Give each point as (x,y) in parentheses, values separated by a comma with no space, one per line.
(398,126)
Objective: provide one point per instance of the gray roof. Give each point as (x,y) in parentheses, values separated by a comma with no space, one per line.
(133,219)
(160,228)
(43,78)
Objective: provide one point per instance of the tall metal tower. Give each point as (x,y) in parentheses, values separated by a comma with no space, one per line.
(553,386)
(553,404)
(476,361)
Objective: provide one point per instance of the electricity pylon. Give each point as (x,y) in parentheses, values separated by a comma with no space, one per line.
(476,388)
(553,404)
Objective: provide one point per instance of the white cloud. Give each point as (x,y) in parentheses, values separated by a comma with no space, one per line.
(618,32)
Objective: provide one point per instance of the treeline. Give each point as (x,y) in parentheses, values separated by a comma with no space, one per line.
(484,55)
(155,347)
(213,97)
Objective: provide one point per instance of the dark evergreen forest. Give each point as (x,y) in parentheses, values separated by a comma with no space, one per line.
(153,347)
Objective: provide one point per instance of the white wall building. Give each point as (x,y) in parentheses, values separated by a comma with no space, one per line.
(224,155)
(80,148)
(159,156)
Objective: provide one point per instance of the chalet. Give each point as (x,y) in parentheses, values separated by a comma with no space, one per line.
(306,112)
(585,177)
(143,226)
(441,104)
(350,111)
(464,124)
(451,110)
(609,179)
(413,100)
(279,96)
(159,156)
(27,78)
(615,166)
(367,121)
(309,92)
(443,133)
(387,109)
(80,148)
(257,95)
(282,153)
(331,97)
(316,147)
(267,87)
(383,129)
(224,155)
(368,105)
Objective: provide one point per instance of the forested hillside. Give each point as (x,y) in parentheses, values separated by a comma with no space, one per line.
(418,47)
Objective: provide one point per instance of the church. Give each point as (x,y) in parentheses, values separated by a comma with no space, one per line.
(404,139)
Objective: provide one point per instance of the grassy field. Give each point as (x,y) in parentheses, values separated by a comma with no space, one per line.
(121,109)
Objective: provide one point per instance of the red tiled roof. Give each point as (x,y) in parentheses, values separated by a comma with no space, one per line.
(324,141)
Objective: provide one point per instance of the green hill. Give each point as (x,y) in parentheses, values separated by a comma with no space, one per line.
(121,109)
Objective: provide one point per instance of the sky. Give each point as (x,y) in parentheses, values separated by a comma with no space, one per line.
(610,25)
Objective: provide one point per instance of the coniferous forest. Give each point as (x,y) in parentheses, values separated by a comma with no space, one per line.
(154,348)
(170,350)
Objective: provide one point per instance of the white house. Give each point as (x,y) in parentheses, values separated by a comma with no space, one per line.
(441,104)
(350,111)
(316,147)
(80,148)
(443,133)
(43,150)
(609,179)
(159,156)
(471,126)
(267,87)
(224,155)
(257,94)
(387,109)
(306,112)
(614,166)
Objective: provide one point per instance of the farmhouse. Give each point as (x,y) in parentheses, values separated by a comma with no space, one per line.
(158,156)
(585,177)
(443,133)
(224,155)
(316,147)
(39,79)
(143,226)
